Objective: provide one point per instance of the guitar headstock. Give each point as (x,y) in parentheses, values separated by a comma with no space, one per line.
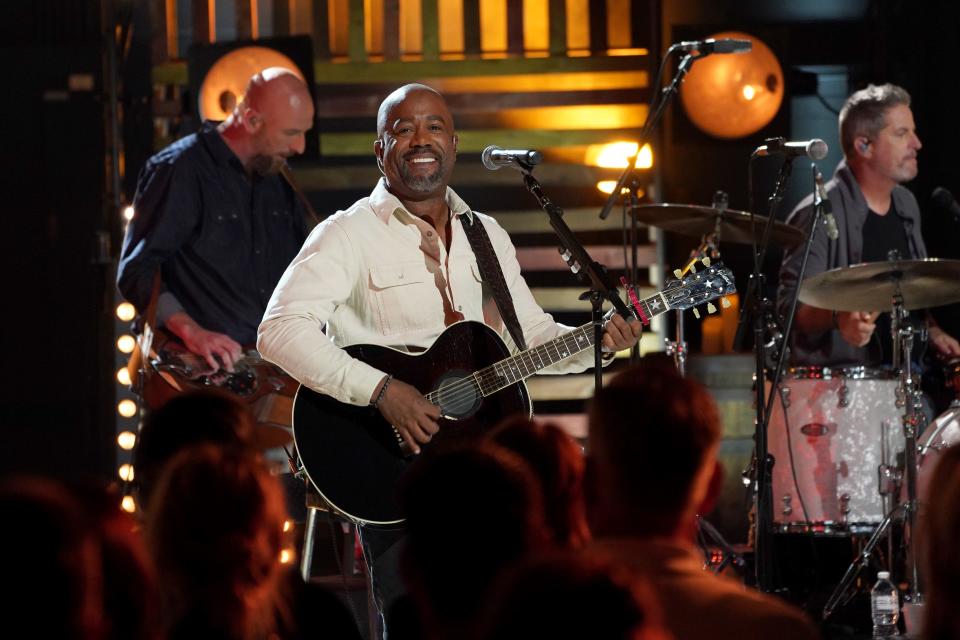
(702,286)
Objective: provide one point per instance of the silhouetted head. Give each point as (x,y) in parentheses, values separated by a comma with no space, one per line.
(557,461)
(192,418)
(652,447)
(470,512)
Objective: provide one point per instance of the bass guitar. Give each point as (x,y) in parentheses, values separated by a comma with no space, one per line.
(352,455)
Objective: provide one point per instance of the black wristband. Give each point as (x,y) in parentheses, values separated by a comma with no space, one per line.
(376,403)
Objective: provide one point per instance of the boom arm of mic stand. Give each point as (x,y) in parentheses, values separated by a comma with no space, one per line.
(601,286)
(653,119)
(600,280)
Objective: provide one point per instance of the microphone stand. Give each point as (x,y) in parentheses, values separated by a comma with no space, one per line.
(575,255)
(653,119)
(755,301)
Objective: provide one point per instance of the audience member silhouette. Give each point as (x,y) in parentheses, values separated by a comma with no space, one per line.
(569,596)
(940,548)
(215,532)
(652,467)
(471,512)
(557,460)
(192,418)
(130,597)
(51,564)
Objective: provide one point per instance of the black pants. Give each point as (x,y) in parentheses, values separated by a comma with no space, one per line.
(381,551)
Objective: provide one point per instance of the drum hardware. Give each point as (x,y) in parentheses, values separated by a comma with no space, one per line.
(903,334)
(843,396)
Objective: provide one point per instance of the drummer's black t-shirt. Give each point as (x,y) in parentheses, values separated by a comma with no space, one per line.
(881,235)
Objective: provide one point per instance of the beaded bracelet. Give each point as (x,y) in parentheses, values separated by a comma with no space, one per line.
(376,403)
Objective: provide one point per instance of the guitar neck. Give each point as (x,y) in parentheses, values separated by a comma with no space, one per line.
(523,365)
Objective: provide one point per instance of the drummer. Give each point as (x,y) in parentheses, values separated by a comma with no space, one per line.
(877,218)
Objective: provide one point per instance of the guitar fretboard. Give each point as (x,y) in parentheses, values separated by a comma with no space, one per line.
(523,365)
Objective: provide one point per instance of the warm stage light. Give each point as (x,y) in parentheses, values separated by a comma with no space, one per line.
(606,186)
(128,213)
(128,504)
(123,376)
(731,96)
(286,556)
(125,472)
(126,440)
(127,408)
(615,155)
(126,312)
(126,343)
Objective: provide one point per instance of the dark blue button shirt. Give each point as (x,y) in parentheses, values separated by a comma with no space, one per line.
(221,237)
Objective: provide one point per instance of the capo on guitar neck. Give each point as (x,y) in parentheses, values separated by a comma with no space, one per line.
(634,301)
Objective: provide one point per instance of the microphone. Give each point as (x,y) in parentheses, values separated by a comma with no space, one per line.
(494,157)
(820,199)
(943,199)
(708,46)
(815,149)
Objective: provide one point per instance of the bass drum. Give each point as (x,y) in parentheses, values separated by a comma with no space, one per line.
(942,433)
(830,432)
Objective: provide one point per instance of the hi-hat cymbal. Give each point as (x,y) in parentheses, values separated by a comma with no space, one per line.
(733,226)
(931,282)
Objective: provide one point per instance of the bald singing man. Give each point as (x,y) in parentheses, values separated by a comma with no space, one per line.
(213,215)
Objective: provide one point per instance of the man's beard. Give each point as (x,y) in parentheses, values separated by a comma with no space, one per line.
(422,183)
(266,166)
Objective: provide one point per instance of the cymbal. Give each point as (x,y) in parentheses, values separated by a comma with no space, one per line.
(734,226)
(931,282)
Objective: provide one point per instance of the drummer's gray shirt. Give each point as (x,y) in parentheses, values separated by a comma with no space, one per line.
(850,209)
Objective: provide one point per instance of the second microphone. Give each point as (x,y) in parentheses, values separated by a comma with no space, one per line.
(494,157)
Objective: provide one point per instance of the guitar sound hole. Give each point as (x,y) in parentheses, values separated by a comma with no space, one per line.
(458,395)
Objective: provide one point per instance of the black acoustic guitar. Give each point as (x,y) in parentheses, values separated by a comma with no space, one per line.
(353,456)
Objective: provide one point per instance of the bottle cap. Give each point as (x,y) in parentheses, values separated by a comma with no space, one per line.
(883,575)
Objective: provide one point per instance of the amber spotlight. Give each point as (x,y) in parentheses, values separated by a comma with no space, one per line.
(735,95)
(226,81)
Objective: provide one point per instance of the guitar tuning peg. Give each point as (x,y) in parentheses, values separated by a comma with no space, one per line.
(696,313)
(677,273)
(706,262)
(724,303)
(711,308)
(693,267)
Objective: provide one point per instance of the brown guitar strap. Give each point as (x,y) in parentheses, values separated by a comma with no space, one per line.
(492,274)
(314,218)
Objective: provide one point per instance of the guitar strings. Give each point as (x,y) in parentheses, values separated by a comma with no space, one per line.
(462,387)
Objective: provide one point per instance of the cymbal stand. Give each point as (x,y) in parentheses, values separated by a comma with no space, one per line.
(913,419)
(708,248)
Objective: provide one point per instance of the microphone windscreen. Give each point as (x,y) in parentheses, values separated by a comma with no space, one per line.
(487,157)
(942,198)
(817,149)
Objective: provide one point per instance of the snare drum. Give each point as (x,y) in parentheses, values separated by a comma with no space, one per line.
(839,426)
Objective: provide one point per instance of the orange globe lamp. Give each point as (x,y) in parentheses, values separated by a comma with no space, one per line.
(735,95)
(226,81)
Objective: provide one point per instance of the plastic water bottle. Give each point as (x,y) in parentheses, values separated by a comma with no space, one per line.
(884,606)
